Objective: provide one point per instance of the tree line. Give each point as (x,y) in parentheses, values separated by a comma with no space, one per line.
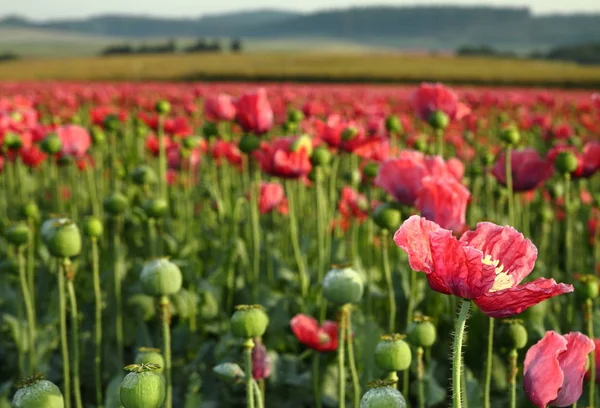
(201,45)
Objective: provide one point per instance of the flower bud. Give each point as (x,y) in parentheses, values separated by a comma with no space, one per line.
(62,237)
(513,335)
(510,136)
(38,393)
(156,208)
(93,227)
(249,143)
(144,175)
(18,234)
(210,130)
(147,355)
(162,107)
(321,156)
(190,142)
(422,333)
(249,321)
(421,145)
(342,286)
(393,124)
(387,216)
(111,123)
(302,142)
(392,353)
(489,158)
(116,203)
(143,388)
(382,395)
(161,277)
(586,287)
(98,136)
(230,373)
(31,211)
(12,141)
(349,133)
(295,116)
(566,162)
(51,144)
(439,120)
(370,170)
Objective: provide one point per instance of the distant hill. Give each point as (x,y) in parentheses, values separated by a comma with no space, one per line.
(419,27)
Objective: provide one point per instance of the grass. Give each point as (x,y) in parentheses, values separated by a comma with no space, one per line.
(314,67)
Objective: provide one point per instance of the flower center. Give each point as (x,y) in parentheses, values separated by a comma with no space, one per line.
(324,338)
(503,280)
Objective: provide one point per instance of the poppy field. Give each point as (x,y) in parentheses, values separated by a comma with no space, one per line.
(278,245)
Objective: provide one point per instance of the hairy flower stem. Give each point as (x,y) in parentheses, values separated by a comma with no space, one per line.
(303,275)
(509,186)
(97,322)
(166,320)
(588,315)
(248,346)
(152,237)
(255,226)
(420,377)
(387,271)
(488,364)
(459,331)
(341,352)
(439,140)
(258,395)
(118,288)
(569,245)
(29,311)
(31,267)
(162,158)
(351,359)
(64,345)
(74,331)
(513,371)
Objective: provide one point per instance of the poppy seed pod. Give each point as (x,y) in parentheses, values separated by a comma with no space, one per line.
(146,355)
(18,234)
(513,335)
(31,211)
(387,217)
(349,133)
(36,393)
(510,136)
(12,141)
(439,120)
(143,388)
(393,353)
(295,116)
(161,277)
(144,175)
(249,321)
(321,156)
(162,107)
(422,333)
(586,287)
(566,162)
(421,145)
(393,124)
(93,227)
(51,144)
(190,142)
(383,395)
(116,203)
(370,170)
(156,208)
(62,237)
(249,143)
(342,285)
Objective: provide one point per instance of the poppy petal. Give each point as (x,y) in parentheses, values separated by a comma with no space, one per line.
(512,301)
(330,329)
(413,238)
(305,329)
(572,363)
(515,254)
(542,374)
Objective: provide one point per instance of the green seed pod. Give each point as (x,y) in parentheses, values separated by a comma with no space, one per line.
(156,208)
(421,145)
(31,211)
(12,141)
(161,277)
(143,388)
(249,321)
(393,124)
(513,335)
(510,136)
(51,144)
(98,136)
(18,234)
(586,287)
(353,177)
(93,227)
(147,355)
(393,353)
(62,237)
(387,216)
(111,123)
(383,395)
(289,127)
(489,158)
(342,285)
(230,373)
(249,143)
(321,156)
(144,175)
(422,333)
(116,203)
(295,116)
(566,162)
(190,143)
(349,133)
(210,130)
(439,120)
(302,142)
(162,107)
(370,170)
(38,393)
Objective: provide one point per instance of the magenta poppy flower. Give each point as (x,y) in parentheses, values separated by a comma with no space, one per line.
(486,265)
(261,364)
(277,158)
(402,177)
(308,332)
(254,112)
(75,140)
(443,200)
(430,98)
(272,197)
(219,107)
(554,369)
(528,169)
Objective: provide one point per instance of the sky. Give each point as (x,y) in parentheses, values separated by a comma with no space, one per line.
(45,9)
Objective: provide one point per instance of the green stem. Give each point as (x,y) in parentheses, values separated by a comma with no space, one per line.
(97,323)
(255,220)
(248,346)
(341,356)
(63,338)
(31,267)
(420,376)
(568,226)
(488,364)
(152,236)
(387,270)
(589,318)
(74,331)
(405,381)
(439,138)
(258,395)
(509,185)
(315,378)
(29,311)
(513,371)
(118,289)
(411,298)
(303,275)
(351,360)
(459,331)
(165,317)
(162,159)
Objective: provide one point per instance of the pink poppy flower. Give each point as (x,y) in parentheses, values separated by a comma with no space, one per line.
(220,107)
(486,265)
(554,369)
(261,364)
(254,112)
(430,98)
(277,159)
(353,204)
(75,140)
(272,197)
(528,169)
(443,200)
(308,332)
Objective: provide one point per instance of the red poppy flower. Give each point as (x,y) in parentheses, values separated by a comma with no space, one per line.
(588,160)
(308,332)
(443,200)
(254,112)
(528,169)
(222,149)
(353,204)
(219,107)
(486,265)
(272,197)
(403,177)
(278,159)
(153,146)
(554,369)
(430,98)
(75,140)
(32,156)
(261,364)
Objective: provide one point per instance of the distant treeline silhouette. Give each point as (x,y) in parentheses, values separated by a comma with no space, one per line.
(170,47)
(588,53)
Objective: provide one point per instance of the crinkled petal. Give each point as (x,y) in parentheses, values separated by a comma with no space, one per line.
(542,374)
(512,301)
(330,329)
(413,238)
(305,329)
(458,267)
(509,247)
(572,363)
